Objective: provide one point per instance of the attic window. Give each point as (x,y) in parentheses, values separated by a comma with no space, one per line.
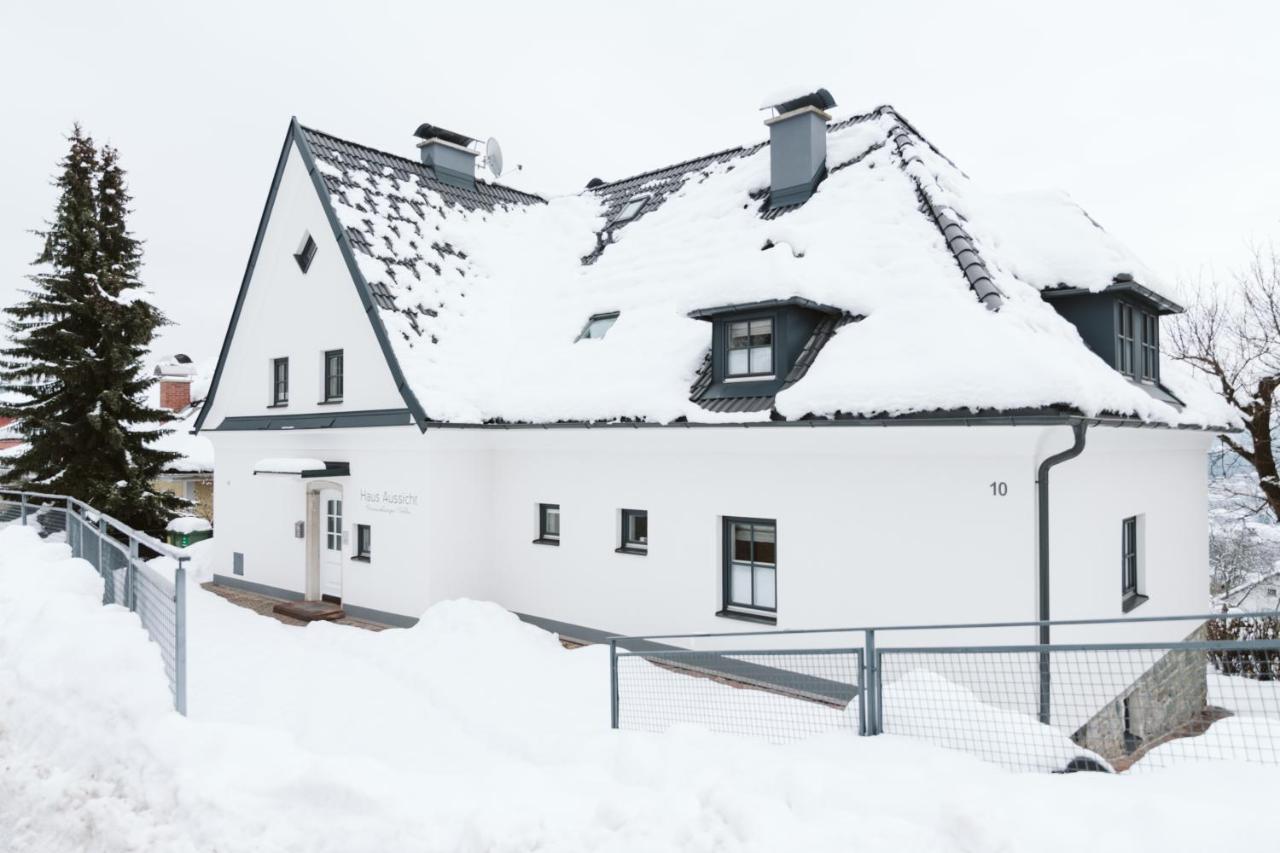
(630,210)
(751,347)
(598,326)
(306,252)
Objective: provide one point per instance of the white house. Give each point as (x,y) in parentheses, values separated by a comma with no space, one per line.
(821,379)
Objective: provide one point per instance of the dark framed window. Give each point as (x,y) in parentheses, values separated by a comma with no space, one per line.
(332,375)
(364,541)
(1125,340)
(279,381)
(306,253)
(1150,358)
(548,524)
(1130,554)
(750,347)
(635,531)
(750,565)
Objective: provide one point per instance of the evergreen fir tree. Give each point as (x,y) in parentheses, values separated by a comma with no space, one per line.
(73,367)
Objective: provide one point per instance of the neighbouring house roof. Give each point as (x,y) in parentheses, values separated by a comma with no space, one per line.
(479,295)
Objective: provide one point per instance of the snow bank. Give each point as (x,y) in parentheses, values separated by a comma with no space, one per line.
(476,732)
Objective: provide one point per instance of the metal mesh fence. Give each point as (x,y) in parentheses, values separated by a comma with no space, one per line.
(1114,706)
(776,695)
(120,555)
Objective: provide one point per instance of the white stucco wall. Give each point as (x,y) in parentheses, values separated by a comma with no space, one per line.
(287,313)
(875,526)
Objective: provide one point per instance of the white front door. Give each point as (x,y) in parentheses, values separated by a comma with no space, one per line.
(331,542)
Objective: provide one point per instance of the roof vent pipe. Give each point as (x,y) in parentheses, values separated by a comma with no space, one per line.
(797,144)
(448,155)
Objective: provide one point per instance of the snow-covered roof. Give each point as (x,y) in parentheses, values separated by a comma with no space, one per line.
(483,293)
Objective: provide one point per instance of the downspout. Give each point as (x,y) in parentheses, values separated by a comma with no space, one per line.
(1042,508)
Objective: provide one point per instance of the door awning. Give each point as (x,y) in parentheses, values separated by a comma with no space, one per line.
(301,466)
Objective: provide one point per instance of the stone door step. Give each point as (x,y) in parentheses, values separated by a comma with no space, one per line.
(310,611)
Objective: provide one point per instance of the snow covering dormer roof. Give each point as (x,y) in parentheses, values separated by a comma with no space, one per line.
(479,293)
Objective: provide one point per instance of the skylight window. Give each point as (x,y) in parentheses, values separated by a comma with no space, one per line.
(598,326)
(630,210)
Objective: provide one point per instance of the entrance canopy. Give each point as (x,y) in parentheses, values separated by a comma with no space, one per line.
(302,466)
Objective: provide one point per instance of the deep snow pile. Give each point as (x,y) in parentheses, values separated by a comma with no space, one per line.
(476,732)
(485,327)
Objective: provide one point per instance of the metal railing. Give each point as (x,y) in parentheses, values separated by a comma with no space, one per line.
(1109,694)
(121,556)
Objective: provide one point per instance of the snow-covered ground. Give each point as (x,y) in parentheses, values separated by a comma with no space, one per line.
(474,731)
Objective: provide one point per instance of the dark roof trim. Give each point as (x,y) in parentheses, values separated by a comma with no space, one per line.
(362,286)
(956,236)
(1049,416)
(330,469)
(799,301)
(248,273)
(318,420)
(1121,285)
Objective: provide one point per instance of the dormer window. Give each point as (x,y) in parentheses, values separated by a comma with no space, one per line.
(306,253)
(630,210)
(1150,360)
(750,348)
(598,326)
(1124,360)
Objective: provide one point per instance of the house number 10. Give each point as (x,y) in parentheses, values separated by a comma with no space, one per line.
(999,489)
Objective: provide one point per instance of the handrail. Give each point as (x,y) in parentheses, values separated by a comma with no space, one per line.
(150,541)
(1120,620)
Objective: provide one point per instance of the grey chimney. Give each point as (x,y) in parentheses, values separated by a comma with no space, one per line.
(448,155)
(797,146)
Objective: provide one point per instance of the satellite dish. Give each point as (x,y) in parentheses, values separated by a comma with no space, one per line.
(493,157)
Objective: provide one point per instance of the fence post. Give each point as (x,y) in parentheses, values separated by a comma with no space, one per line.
(24,508)
(180,637)
(130,576)
(108,583)
(71,531)
(871,688)
(613,682)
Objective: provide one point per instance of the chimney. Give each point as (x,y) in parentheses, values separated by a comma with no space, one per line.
(797,144)
(448,155)
(175,374)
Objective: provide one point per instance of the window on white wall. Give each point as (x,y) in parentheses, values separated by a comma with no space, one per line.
(751,568)
(1131,563)
(548,524)
(635,532)
(280,382)
(333,380)
(364,542)
(306,253)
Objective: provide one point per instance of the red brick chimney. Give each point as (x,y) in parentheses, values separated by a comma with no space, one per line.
(175,375)
(175,394)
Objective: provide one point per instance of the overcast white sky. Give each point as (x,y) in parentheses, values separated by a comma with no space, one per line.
(1160,118)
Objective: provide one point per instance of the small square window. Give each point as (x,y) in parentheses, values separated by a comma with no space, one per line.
(364,541)
(280,382)
(333,375)
(548,524)
(306,253)
(598,326)
(630,210)
(635,531)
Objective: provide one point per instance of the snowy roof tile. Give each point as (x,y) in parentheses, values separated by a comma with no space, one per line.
(483,291)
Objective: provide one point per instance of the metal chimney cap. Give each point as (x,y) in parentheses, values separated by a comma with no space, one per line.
(819,99)
(431,131)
